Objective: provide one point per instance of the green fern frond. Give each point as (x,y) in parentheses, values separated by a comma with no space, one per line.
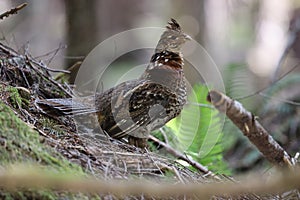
(199,131)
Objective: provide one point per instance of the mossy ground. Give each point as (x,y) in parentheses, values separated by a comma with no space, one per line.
(21,144)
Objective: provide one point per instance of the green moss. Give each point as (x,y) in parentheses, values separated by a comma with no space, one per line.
(29,194)
(14,97)
(18,96)
(21,144)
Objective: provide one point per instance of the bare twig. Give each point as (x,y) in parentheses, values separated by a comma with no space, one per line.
(178,175)
(183,157)
(49,69)
(281,100)
(55,52)
(74,57)
(51,52)
(200,105)
(251,128)
(30,64)
(164,134)
(12,11)
(291,42)
(159,169)
(8,50)
(273,83)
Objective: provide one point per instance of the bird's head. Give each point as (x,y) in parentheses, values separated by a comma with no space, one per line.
(172,39)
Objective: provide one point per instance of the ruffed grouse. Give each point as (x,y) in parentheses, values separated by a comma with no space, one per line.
(137,107)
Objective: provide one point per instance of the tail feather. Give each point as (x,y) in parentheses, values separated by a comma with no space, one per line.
(64,106)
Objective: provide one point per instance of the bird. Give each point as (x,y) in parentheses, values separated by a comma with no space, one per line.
(136,107)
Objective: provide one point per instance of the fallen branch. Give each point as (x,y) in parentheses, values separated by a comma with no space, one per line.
(251,128)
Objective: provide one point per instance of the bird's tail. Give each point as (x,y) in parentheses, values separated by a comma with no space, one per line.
(67,106)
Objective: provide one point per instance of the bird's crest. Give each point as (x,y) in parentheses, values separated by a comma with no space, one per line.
(173,25)
(172,39)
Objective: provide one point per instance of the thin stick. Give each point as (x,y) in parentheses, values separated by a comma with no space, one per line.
(273,83)
(8,50)
(288,48)
(200,104)
(56,52)
(281,100)
(251,128)
(49,69)
(51,52)
(30,64)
